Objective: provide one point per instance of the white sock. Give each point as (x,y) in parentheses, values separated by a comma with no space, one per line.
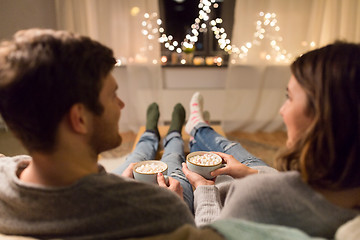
(196,114)
(206,117)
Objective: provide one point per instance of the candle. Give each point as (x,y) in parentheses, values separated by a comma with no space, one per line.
(198,60)
(209,60)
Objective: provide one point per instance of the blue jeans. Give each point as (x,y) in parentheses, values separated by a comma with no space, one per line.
(173,156)
(206,139)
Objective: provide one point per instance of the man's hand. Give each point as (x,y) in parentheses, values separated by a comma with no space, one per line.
(233,167)
(196,179)
(173,184)
(128,172)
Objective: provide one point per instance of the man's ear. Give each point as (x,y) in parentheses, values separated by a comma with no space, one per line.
(78,118)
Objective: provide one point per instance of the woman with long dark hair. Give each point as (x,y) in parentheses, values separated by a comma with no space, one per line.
(317,188)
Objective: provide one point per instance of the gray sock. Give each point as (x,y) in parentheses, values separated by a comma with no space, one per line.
(152,118)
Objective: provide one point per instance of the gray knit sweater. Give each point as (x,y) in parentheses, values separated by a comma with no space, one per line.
(274,198)
(98,206)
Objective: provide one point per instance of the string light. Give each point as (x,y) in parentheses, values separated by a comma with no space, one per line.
(266,29)
(150,29)
(118,62)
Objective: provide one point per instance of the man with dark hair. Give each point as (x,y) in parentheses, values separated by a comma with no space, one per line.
(58,96)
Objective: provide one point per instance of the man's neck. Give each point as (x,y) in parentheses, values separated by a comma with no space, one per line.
(58,169)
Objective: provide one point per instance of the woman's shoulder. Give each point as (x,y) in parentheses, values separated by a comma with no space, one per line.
(271,177)
(6,160)
(269,182)
(10,165)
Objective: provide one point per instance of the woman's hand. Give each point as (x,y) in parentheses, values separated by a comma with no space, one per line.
(128,172)
(173,184)
(196,179)
(233,167)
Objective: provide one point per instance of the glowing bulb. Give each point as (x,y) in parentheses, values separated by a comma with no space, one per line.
(134,11)
(244,49)
(118,62)
(163,59)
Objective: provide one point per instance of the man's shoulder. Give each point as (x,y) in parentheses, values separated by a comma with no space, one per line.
(110,183)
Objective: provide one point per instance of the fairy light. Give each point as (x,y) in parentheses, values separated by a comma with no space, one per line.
(152,25)
(163,59)
(118,63)
(266,29)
